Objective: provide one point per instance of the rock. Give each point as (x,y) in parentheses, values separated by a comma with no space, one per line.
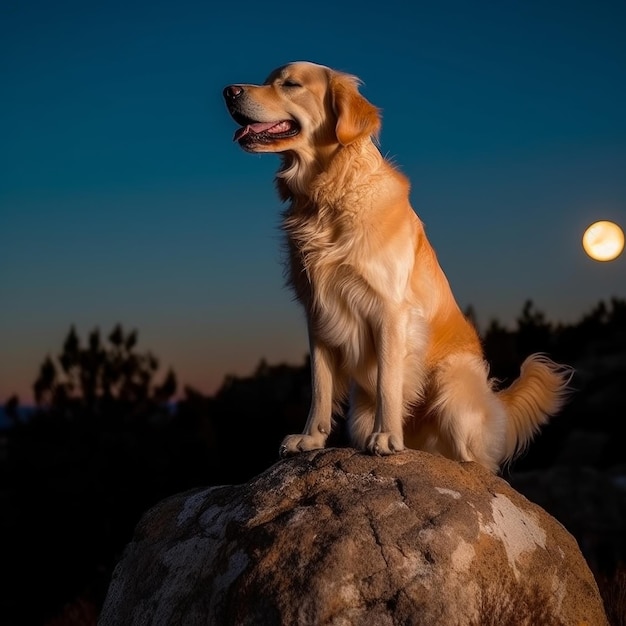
(339,537)
(591,504)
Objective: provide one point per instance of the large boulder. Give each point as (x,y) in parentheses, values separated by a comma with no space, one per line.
(339,537)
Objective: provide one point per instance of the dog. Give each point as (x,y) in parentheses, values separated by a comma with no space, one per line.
(385,331)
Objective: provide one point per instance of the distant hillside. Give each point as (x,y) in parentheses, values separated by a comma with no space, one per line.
(5,421)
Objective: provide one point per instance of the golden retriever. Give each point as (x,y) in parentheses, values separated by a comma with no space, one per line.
(385,330)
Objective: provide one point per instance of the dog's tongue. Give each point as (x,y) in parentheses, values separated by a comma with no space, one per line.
(257,127)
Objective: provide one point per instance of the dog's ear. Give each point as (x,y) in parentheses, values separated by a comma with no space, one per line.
(356,117)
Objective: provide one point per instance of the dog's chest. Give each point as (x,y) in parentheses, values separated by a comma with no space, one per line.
(332,285)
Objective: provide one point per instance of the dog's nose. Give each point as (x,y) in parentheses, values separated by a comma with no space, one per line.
(232,91)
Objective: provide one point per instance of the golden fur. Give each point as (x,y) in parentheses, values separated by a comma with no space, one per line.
(385,330)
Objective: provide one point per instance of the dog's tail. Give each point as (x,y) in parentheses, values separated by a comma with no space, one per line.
(539,392)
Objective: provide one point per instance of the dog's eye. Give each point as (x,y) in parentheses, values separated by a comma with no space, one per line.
(291,83)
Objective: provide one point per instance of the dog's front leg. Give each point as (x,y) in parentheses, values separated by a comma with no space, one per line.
(318,424)
(390,337)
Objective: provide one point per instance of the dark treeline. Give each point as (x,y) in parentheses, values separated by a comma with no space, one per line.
(106,441)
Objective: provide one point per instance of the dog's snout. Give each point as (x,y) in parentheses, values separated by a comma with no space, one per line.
(232,91)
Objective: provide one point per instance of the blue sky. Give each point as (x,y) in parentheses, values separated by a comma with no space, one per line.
(123,198)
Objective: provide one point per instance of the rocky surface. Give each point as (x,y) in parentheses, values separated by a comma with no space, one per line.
(339,537)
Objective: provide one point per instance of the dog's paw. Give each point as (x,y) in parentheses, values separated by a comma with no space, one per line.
(292,444)
(384,443)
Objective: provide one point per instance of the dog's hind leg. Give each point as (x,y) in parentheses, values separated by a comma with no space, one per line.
(471,419)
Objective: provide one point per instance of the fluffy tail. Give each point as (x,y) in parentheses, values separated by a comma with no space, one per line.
(539,392)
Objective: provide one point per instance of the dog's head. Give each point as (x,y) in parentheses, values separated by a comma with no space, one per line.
(302,107)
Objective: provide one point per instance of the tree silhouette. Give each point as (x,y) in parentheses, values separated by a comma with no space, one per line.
(534,333)
(11,409)
(102,446)
(95,378)
(501,351)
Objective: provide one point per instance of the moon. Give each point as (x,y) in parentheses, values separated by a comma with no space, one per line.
(603,241)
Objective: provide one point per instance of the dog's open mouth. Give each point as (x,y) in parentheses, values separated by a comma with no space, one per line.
(265,132)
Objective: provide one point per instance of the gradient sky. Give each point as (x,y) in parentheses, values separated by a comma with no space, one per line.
(123,198)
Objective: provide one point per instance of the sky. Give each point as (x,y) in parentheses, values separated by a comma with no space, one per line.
(124,199)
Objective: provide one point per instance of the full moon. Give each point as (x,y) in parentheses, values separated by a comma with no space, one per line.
(603,241)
